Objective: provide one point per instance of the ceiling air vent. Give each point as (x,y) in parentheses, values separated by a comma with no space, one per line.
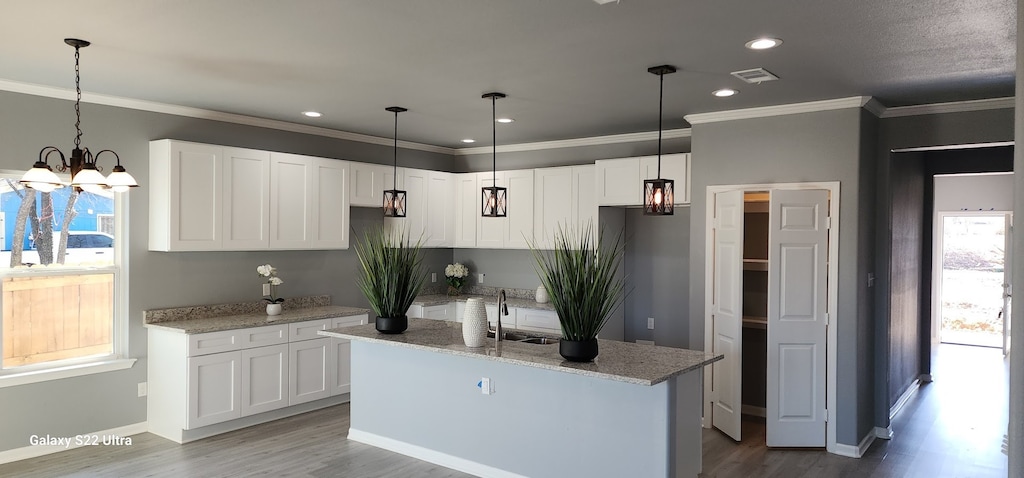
(756,75)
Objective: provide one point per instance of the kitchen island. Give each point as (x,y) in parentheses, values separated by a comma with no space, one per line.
(519,409)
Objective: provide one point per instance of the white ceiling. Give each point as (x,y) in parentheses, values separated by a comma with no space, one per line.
(570,68)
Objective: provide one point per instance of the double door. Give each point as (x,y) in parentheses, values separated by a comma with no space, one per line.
(797,314)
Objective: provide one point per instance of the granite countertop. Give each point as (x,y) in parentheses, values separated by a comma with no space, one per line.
(620,361)
(441,299)
(255,319)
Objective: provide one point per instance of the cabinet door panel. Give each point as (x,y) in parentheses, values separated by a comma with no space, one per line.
(185,196)
(674,167)
(439,228)
(554,206)
(246,199)
(519,225)
(264,379)
(490,231)
(618,182)
(311,368)
(330,221)
(214,382)
(367,185)
(540,320)
(291,193)
(467,204)
(584,190)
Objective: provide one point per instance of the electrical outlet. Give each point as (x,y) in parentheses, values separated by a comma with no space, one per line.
(485,386)
(650,323)
(480,278)
(433,277)
(143,389)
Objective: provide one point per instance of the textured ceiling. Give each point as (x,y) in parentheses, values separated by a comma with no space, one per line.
(571,68)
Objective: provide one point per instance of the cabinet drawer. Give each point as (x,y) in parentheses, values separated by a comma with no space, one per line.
(213,342)
(545,320)
(261,336)
(350,321)
(307,330)
(437,312)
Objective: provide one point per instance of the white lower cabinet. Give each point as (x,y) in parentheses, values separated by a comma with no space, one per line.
(264,379)
(537,320)
(200,380)
(311,367)
(214,382)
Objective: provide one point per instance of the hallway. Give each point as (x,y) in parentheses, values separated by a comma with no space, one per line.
(953,427)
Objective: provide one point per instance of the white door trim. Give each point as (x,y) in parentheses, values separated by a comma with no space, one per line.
(832,280)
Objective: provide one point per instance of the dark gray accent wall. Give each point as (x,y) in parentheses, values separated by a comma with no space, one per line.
(158,279)
(819,146)
(567,156)
(657,265)
(905,272)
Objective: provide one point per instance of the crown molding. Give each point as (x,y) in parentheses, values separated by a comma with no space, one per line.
(951,107)
(578,142)
(199,113)
(779,110)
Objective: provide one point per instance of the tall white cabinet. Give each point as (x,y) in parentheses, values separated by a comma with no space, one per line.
(565,198)
(516,229)
(620,181)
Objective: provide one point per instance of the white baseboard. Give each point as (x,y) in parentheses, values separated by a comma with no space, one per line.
(33,451)
(907,395)
(428,455)
(884,433)
(856,451)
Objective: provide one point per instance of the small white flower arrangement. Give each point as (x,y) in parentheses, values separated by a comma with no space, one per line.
(270,287)
(455,275)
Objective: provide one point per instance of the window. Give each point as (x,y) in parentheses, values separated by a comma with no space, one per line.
(59,279)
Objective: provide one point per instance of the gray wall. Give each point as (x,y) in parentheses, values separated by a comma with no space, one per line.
(98,402)
(657,265)
(819,146)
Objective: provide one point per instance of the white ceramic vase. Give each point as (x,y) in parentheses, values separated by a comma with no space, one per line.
(474,323)
(542,295)
(273,309)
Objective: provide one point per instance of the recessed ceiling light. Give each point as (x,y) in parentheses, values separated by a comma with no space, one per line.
(763,43)
(312,114)
(724,92)
(504,120)
(468,140)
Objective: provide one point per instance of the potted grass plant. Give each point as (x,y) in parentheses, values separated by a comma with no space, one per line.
(580,275)
(391,276)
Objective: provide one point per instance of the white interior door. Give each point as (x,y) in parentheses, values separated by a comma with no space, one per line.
(727,312)
(797,317)
(1007,283)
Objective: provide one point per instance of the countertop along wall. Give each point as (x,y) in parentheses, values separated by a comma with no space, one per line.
(109,400)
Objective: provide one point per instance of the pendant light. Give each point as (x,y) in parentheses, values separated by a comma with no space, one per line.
(394,199)
(494,198)
(659,197)
(85,174)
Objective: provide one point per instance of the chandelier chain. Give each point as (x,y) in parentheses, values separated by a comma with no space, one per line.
(78,101)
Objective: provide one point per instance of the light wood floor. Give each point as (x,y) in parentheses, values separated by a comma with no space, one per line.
(953,427)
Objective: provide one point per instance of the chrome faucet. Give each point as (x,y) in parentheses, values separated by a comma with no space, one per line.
(502,310)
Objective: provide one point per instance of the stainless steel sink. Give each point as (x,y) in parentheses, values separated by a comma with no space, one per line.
(526,339)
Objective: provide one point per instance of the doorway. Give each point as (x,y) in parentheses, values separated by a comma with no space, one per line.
(972,280)
(801,269)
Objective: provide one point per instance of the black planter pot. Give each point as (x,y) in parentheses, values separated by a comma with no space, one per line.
(578,350)
(392,325)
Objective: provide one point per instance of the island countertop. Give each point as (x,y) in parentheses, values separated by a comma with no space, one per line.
(620,361)
(256,319)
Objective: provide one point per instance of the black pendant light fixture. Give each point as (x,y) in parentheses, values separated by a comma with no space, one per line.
(494,198)
(659,194)
(85,175)
(394,199)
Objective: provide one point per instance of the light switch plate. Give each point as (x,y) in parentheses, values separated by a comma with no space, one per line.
(143,389)
(480,278)
(650,323)
(433,277)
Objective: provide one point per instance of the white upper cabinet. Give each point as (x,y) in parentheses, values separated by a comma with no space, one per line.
(519,228)
(620,181)
(185,209)
(291,209)
(565,197)
(215,198)
(467,209)
(330,216)
(673,166)
(368,183)
(246,189)
(439,230)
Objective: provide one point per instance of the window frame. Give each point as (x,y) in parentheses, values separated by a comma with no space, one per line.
(118,358)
